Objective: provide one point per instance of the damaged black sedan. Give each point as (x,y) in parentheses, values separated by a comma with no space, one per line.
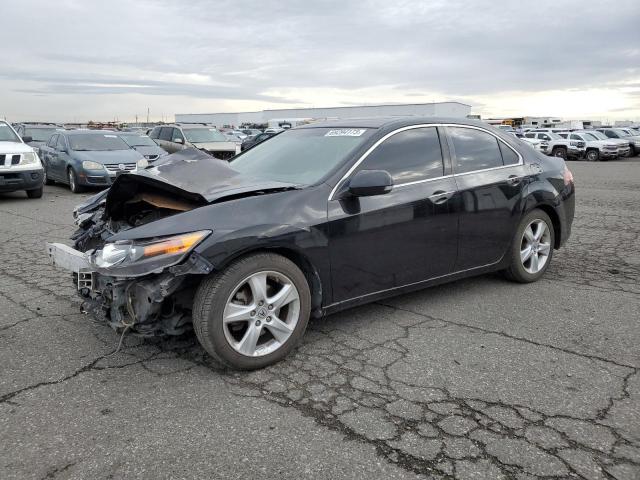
(316,220)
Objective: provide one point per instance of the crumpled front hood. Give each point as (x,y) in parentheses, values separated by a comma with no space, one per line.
(192,175)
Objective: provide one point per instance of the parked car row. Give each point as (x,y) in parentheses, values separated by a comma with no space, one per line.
(593,145)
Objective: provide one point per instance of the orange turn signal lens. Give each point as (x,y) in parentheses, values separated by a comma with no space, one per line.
(174,245)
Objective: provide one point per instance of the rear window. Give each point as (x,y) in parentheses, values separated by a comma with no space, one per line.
(39,134)
(96,142)
(474,149)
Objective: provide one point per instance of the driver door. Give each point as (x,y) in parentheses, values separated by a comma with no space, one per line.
(406,236)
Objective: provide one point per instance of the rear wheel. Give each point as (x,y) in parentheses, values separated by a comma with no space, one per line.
(254,313)
(35,193)
(559,152)
(593,155)
(73,181)
(532,248)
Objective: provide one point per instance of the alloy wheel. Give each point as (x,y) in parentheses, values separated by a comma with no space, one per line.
(535,246)
(72,181)
(261,313)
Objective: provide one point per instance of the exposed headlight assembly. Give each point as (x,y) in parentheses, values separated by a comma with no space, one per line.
(135,258)
(89,165)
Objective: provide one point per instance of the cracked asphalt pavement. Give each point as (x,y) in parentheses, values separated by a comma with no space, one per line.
(478,379)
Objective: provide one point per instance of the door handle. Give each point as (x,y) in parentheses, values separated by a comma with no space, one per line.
(514,179)
(440,196)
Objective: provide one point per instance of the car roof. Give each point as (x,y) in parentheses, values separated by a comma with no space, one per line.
(391,122)
(89,132)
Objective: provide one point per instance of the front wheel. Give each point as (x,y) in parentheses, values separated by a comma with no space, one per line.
(73,181)
(35,193)
(532,248)
(593,155)
(47,179)
(254,313)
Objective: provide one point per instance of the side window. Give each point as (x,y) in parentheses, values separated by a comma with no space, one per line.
(474,149)
(52,141)
(509,157)
(165,133)
(177,135)
(61,143)
(408,156)
(155,133)
(574,137)
(530,135)
(544,136)
(610,134)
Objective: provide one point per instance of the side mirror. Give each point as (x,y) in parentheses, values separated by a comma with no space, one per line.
(179,140)
(27,139)
(367,183)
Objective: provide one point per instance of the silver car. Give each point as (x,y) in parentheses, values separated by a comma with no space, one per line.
(173,138)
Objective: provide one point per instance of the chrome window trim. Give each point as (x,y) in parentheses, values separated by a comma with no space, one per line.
(422,125)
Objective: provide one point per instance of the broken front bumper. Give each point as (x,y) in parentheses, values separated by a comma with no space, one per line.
(148,305)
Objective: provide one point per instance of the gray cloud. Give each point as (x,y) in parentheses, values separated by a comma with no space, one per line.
(232,50)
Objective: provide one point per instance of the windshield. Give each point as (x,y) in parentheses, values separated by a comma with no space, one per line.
(7,134)
(300,156)
(138,141)
(620,132)
(599,135)
(589,136)
(203,135)
(553,136)
(39,134)
(96,142)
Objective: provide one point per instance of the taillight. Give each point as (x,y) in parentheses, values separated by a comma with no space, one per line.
(567,176)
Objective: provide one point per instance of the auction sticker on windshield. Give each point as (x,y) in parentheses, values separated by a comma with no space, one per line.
(345,132)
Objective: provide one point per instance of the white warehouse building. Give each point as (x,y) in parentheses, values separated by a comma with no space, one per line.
(440,109)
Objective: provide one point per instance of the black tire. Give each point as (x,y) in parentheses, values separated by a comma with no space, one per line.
(559,152)
(593,155)
(633,151)
(35,193)
(211,298)
(47,180)
(73,181)
(516,270)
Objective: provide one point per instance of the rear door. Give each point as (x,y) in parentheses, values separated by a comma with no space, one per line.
(406,236)
(490,177)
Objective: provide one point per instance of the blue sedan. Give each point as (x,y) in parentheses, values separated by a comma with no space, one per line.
(87,158)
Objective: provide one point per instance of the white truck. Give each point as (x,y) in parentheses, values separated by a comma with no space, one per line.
(556,146)
(595,149)
(20,166)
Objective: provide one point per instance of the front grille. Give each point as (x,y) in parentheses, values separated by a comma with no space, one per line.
(114,168)
(15,159)
(2,158)
(222,154)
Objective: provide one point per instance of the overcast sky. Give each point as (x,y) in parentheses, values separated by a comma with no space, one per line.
(76,60)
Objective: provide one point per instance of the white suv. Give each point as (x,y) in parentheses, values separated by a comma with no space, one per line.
(20,167)
(596,149)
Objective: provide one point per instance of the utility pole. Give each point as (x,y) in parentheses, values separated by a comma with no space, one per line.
(147,114)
